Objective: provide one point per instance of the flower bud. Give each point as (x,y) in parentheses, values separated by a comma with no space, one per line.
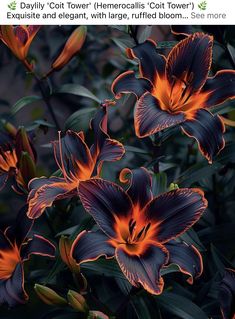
(71,48)
(97,315)
(49,296)
(10,128)
(173,186)
(23,144)
(65,252)
(27,169)
(77,301)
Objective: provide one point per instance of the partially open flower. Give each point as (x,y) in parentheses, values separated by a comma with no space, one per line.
(139,230)
(65,245)
(18,38)
(17,160)
(71,48)
(77,162)
(15,249)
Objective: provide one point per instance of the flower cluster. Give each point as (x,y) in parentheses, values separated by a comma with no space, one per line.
(141,232)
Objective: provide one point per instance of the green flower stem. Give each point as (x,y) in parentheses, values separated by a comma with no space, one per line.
(43,93)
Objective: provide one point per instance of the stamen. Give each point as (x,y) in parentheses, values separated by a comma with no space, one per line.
(147,228)
(140,233)
(132,225)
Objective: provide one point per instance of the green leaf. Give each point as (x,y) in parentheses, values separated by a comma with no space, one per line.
(24,102)
(197,172)
(108,268)
(140,308)
(192,238)
(220,261)
(80,120)
(166,44)
(79,90)
(134,149)
(39,123)
(159,183)
(227,154)
(180,306)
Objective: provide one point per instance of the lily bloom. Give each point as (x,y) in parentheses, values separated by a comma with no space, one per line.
(139,230)
(177,91)
(77,162)
(227,294)
(15,249)
(17,160)
(18,38)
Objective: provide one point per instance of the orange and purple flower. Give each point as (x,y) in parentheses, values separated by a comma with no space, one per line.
(177,91)
(227,294)
(17,160)
(16,248)
(139,230)
(77,162)
(18,38)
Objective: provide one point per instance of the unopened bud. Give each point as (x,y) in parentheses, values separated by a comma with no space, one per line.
(49,296)
(77,301)
(10,128)
(23,144)
(173,186)
(97,315)
(71,48)
(27,168)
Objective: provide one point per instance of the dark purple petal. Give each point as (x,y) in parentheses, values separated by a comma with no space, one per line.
(128,83)
(17,233)
(140,183)
(151,63)
(186,257)
(12,290)
(89,246)
(106,202)
(227,293)
(207,129)
(181,31)
(37,245)
(21,34)
(144,269)
(32,29)
(190,61)
(104,148)
(175,212)
(53,189)
(73,156)
(219,88)
(150,119)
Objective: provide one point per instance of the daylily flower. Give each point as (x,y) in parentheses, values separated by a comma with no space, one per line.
(177,90)
(139,230)
(15,249)
(227,294)
(77,162)
(17,160)
(18,38)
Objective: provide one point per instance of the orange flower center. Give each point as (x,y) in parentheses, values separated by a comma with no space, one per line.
(8,160)
(133,234)
(178,96)
(8,261)
(136,234)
